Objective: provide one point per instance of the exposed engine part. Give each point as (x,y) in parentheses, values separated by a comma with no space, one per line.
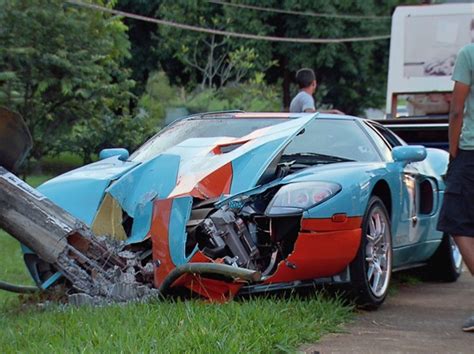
(209,268)
(284,169)
(227,231)
(240,234)
(272,264)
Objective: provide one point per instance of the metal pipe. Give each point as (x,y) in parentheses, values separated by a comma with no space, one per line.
(209,268)
(20,289)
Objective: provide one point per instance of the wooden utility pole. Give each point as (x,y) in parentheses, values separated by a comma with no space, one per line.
(56,236)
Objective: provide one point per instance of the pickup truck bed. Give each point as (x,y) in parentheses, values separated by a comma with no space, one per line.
(430,132)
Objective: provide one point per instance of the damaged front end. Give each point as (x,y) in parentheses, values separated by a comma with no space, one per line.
(197,202)
(257,231)
(241,234)
(212,216)
(207,215)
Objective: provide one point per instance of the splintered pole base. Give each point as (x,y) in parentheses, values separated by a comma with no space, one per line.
(56,236)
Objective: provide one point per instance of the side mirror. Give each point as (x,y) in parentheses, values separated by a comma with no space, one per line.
(122,154)
(409,153)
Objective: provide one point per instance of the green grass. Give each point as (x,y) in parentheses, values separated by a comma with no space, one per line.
(36,180)
(61,163)
(258,325)
(254,325)
(12,268)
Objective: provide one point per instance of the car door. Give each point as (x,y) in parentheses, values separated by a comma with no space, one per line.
(414,204)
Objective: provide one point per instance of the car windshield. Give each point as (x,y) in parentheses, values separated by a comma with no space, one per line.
(331,140)
(324,140)
(200,128)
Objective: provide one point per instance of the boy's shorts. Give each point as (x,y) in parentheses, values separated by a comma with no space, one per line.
(456,216)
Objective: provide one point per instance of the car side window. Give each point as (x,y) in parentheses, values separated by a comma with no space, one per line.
(383,145)
(389,136)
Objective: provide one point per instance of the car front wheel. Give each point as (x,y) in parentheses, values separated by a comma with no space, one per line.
(371,270)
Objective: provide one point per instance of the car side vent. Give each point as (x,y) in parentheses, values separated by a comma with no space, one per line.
(426,197)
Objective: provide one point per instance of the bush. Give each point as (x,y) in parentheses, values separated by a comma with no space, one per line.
(254,95)
(158,96)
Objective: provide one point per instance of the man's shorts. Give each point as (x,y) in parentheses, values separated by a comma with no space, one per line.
(457,212)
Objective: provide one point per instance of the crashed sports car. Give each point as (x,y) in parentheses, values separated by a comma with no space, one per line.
(284,200)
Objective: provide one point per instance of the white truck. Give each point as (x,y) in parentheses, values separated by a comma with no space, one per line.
(425,40)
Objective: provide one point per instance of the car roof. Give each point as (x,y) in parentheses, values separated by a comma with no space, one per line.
(259,115)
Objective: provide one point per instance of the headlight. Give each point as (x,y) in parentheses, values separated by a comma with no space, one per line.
(297,197)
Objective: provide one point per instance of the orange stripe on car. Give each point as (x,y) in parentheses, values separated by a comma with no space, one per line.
(328,224)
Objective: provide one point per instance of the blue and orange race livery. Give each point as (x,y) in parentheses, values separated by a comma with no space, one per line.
(298,199)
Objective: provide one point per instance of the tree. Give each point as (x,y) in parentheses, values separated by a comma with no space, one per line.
(352,76)
(60,67)
(145,48)
(88,136)
(211,60)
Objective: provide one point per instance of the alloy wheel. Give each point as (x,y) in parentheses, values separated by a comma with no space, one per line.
(456,253)
(377,252)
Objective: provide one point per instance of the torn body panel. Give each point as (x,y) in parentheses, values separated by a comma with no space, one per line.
(332,244)
(81,191)
(200,167)
(237,233)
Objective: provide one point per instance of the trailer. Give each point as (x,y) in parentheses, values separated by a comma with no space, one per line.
(425,40)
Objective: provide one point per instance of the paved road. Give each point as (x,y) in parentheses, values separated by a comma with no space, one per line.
(422,318)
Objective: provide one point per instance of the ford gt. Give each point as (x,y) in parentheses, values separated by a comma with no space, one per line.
(230,203)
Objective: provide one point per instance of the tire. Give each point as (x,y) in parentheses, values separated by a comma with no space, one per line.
(446,263)
(371,270)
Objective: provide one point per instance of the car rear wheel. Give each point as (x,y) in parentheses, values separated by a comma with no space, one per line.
(371,270)
(446,262)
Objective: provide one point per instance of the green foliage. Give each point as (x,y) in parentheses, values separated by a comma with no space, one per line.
(88,137)
(67,70)
(61,70)
(57,164)
(146,52)
(158,96)
(211,60)
(254,95)
(351,76)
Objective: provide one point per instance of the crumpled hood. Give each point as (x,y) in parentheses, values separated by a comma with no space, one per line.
(80,191)
(203,168)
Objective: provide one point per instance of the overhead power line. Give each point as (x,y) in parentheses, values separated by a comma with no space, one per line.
(302,13)
(224,33)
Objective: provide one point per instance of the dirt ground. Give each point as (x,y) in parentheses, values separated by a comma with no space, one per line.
(421,318)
